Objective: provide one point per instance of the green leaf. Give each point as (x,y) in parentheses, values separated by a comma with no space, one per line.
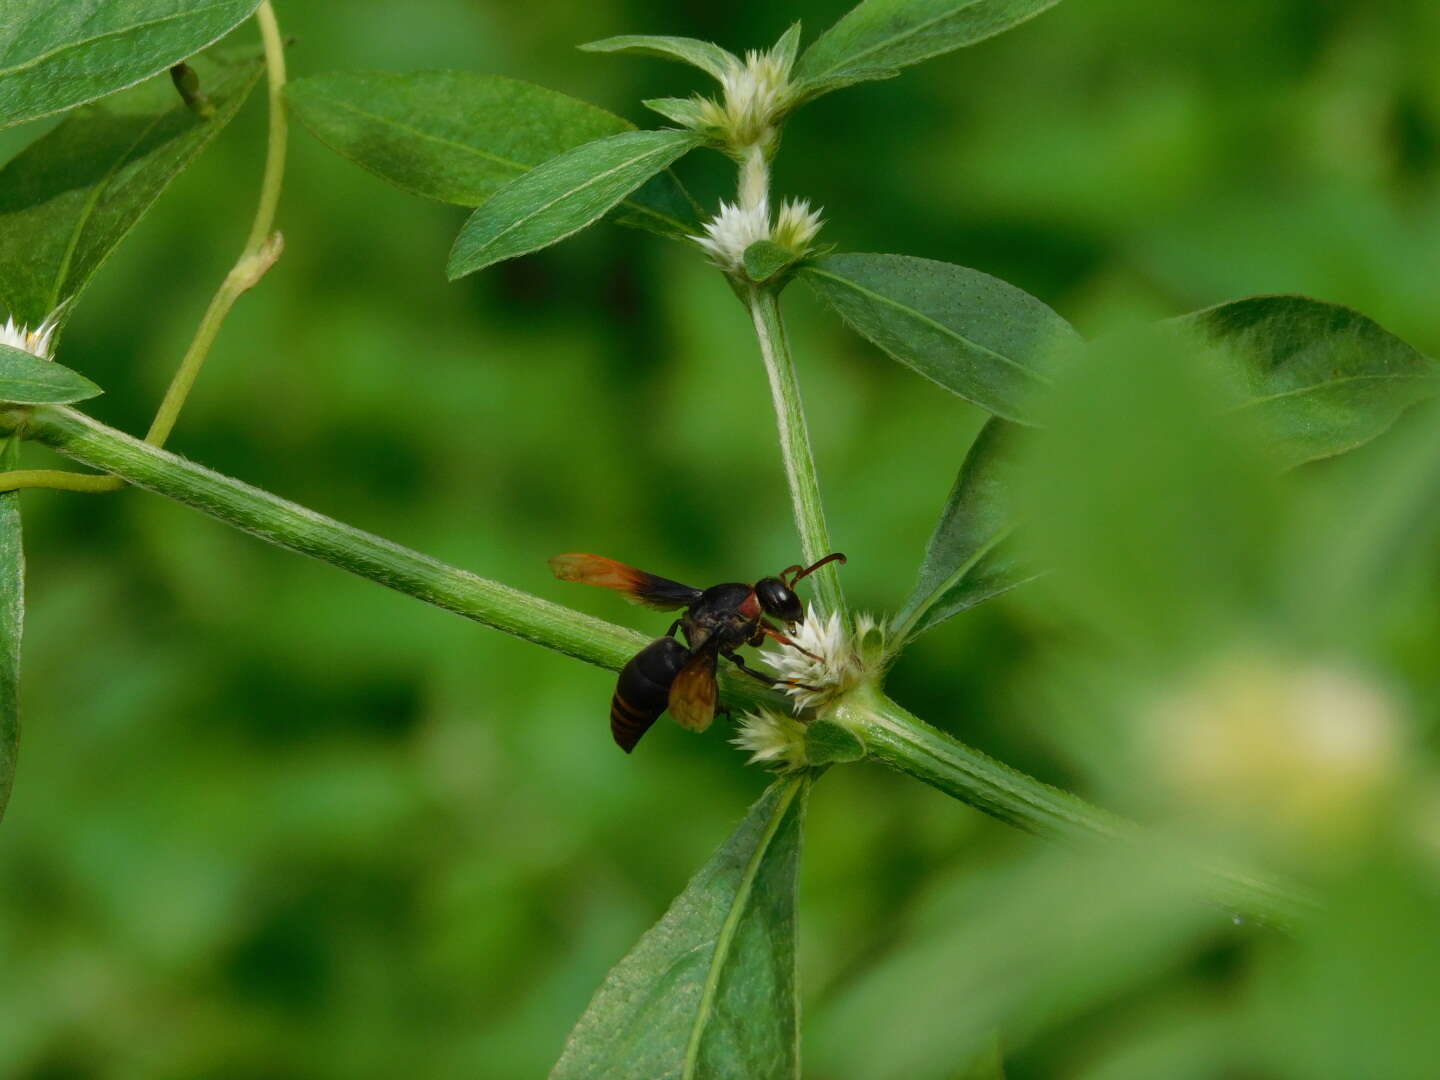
(879,36)
(460,137)
(1319,378)
(12,624)
(69,198)
(786,48)
(562,196)
(766,259)
(56,55)
(973,334)
(687,112)
(970,558)
(709,991)
(704,55)
(28,380)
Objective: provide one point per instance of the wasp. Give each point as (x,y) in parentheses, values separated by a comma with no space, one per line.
(716,622)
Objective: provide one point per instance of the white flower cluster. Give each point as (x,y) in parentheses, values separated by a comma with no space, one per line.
(36,342)
(837,662)
(736,227)
(756,93)
(772,738)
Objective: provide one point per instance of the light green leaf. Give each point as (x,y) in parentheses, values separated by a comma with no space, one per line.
(972,333)
(766,259)
(1319,378)
(709,991)
(12,625)
(56,55)
(562,196)
(704,55)
(880,36)
(785,49)
(69,198)
(687,112)
(969,559)
(460,137)
(30,380)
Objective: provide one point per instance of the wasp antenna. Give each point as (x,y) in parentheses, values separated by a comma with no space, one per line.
(835,556)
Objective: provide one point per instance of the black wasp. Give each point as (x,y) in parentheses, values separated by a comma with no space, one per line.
(716,622)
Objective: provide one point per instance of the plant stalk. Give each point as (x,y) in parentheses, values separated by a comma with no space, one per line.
(795,449)
(262,248)
(893,736)
(896,738)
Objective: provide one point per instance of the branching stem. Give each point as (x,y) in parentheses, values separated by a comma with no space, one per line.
(893,736)
(262,248)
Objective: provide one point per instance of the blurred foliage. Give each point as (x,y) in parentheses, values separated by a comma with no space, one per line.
(272,821)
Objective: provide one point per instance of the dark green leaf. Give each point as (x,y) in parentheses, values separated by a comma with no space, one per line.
(56,55)
(970,559)
(704,55)
(563,196)
(12,624)
(68,199)
(973,334)
(30,380)
(709,991)
(879,36)
(460,137)
(764,259)
(1319,378)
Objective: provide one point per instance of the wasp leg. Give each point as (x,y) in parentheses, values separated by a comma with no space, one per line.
(768,680)
(673,627)
(771,632)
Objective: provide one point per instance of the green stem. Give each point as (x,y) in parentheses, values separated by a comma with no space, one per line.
(795,449)
(262,248)
(892,735)
(294,527)
(896,738)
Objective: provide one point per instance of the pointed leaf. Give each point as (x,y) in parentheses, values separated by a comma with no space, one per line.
(54,56)
(562,196)
(12,624)
(687,112)
(970,558)
(785,49)
(460,137)
(879,36)
(30,380)
(68,199)
(705,55)
(1320,378)
(709,991)
(972,333)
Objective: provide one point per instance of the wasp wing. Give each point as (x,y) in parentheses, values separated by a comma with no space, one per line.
(639,587)
(693,693)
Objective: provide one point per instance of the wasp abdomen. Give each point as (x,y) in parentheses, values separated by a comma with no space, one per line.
(643,689)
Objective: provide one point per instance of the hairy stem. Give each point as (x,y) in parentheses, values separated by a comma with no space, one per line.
(795,449)
(262,248)
(892,735)
(902,741)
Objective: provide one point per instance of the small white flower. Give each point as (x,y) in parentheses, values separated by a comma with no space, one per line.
(772,738)
(736,227)
(756,92)
(840,658)
(36,342)
(796,226)
(732,230)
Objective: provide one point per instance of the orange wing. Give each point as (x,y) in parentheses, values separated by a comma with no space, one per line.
(639,587)
(693,693)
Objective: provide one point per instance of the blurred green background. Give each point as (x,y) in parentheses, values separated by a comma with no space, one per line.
(275,821)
